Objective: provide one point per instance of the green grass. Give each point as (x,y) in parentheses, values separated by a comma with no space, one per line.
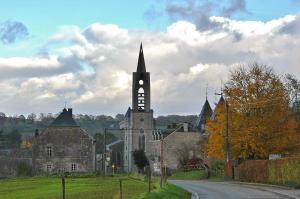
(189,175)
(76,188)
(169,191)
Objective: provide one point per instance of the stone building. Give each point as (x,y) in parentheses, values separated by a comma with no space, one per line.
(63,146)
(180,142)
(138,124)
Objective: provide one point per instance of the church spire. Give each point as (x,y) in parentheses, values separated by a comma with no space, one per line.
(141,68)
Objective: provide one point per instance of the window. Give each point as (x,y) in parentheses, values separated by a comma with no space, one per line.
(49,151)
(141,99)
(49,167)
(142,142)
(141,131)
(73,167)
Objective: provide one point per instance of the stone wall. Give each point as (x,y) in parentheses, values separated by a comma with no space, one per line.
(69,146)
(175,142)
(10,161)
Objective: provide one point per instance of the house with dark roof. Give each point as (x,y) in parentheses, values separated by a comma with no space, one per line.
(63,146)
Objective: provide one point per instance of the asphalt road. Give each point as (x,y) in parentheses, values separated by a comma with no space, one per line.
(224,190)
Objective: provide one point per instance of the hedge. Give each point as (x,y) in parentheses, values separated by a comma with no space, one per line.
(284,171)
(253,171)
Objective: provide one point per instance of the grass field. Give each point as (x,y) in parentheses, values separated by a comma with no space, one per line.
(189,175)
(167,192)
(76,188)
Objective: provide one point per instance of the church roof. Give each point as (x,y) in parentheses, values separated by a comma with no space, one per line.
(205,113)
(141,68)
(65,119)
(127,114)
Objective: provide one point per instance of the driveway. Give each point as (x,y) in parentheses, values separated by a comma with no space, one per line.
(228,190)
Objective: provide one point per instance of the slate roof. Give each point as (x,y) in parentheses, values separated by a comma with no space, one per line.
(65,119)
(114,143)
(206,113)
(141,68)
(127,114)
(221,102)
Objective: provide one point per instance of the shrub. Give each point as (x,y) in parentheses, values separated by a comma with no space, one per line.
(140,159)
(193,163)
(284,171)
(216,168)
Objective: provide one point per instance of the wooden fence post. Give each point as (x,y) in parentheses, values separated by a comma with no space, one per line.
(121,193)
(149,179)
(63,185)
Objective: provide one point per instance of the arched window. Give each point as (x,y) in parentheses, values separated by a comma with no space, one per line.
(141,90)
(142,142)
(141,99)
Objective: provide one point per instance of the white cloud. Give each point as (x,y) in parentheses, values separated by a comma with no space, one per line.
(91,69)
(24,62)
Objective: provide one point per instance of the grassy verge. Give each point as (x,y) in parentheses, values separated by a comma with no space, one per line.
(169,191)
(83,187)
(189,175)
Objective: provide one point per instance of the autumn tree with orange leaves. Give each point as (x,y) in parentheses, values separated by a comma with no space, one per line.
(260,119)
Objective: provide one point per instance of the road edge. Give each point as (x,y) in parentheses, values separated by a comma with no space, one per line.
(264,187)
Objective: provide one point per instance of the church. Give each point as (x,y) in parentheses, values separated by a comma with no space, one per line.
(138,123)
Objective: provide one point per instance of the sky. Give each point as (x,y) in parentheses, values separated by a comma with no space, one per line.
(84,52)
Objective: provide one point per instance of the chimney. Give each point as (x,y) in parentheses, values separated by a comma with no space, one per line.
(70,112)
(36,133)
(185,127)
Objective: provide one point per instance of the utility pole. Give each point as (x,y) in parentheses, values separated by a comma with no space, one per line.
(161,160)
(104,152)
(226,133)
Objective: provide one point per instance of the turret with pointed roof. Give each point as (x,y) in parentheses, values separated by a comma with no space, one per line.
(205,114)
(220,103)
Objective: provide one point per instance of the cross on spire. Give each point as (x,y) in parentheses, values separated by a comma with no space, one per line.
(206,91)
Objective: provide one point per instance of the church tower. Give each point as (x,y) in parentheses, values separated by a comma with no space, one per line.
(141,86)
(138,123)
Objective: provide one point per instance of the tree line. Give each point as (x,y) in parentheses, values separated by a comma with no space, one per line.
(12,128)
